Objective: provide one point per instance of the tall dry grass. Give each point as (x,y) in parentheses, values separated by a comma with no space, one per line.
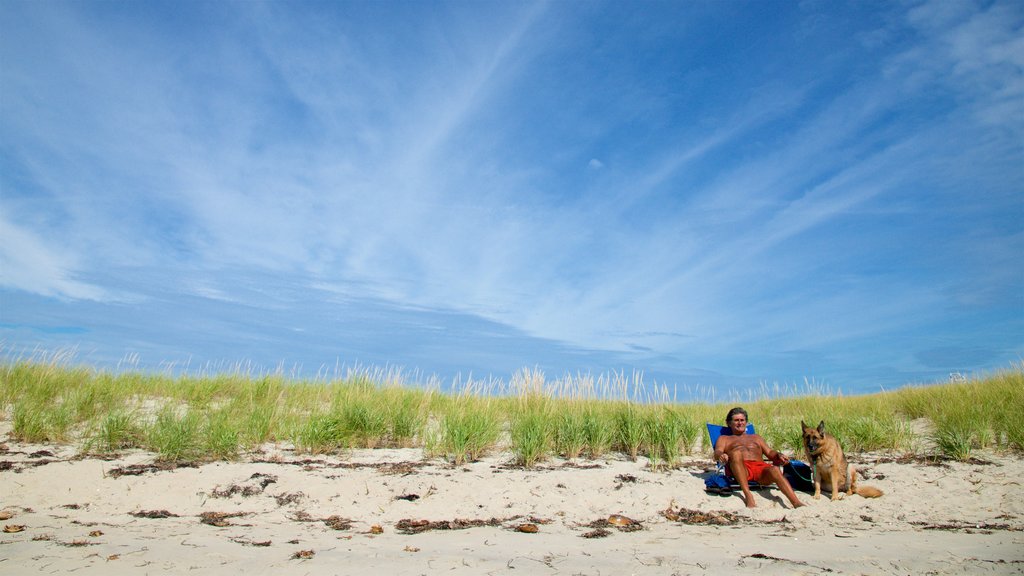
(533,417)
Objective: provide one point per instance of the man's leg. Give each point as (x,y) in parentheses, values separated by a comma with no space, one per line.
(774,474)
(739,472)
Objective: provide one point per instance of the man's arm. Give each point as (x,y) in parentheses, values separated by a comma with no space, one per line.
(777,458)
(721,446)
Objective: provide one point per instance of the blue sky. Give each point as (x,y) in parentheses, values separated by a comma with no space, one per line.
(717,194)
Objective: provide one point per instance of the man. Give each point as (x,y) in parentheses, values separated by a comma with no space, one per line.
(744,455)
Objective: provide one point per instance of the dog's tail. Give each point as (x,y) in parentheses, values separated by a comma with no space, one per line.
(868,491)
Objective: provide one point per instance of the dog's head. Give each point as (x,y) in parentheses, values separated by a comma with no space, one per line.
(813,436)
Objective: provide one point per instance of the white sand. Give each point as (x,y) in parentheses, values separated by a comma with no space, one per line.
(957,518)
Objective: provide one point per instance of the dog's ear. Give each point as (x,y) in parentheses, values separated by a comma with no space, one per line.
(821,428)
(803,426)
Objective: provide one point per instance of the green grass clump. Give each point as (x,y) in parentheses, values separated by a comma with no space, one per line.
(631,429)
(173,437)
(407,416)
(31,423)
(530,437)
(363,423)
(222,438)
(117,431)
(954,440)
(972,415)
(258,424)
(42,423)
(570,433)
(531,420)
(877,432)
(469,428)
(599,430)
(1011,432)
(668,435)
(319,434)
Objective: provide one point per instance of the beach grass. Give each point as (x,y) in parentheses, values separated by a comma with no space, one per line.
(598,428)
(222,417)
(668,436)
(470,427)
(116,431)
(569,435)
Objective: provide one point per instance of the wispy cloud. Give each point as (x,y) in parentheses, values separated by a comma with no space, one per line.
(27,263)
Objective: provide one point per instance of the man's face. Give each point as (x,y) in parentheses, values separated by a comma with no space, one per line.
(738,424)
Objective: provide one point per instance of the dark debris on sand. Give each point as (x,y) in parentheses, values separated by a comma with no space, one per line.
(715,517)
(219,519)
(761,556)
(153,514)
(140,469)
(18,467)
(407,526)
(77,543)
(711,518)
(969,527)
(245,542)
(289,498)
(333,522)
(254,486)
(386,468)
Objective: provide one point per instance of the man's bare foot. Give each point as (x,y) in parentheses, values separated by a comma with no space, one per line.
(798,504)
(750,501)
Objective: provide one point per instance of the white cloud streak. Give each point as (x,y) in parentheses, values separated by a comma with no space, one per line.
(28,263)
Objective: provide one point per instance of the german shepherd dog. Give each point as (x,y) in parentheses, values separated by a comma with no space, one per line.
(829,463)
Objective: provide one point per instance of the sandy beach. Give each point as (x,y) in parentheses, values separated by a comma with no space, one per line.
(392,511)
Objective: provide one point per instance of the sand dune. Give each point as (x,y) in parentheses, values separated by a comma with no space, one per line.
(391,511)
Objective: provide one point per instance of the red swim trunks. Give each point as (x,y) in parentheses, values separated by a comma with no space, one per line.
(755,469)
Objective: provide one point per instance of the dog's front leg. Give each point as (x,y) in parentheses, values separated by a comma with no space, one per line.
(835,482)
(816,474)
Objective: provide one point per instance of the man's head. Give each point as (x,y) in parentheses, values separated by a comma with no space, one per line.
(736,420)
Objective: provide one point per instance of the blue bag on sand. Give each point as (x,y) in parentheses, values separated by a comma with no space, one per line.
(799,475)
(717,484)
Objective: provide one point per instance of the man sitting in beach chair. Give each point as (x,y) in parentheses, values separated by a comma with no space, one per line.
(743,455)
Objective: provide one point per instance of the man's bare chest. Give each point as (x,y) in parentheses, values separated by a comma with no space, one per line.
(743,443)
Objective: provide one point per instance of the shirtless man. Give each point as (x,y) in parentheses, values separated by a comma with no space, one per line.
(744,455)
